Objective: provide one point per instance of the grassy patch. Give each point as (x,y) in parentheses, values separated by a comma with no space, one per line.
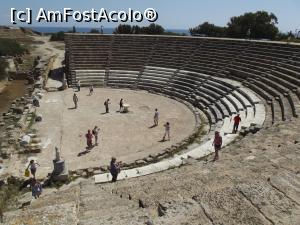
(31,117)
(10,47)
(16,34)
(9,195)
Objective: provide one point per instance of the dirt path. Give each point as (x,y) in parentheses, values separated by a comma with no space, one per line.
(3,85)
(48,49)
(9,91)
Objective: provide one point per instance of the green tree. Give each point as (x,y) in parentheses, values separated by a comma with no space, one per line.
(123,29)
(282,36)
(59,36)
(94,31)
(135,29)
(209,30)
(259,25)
(153,29)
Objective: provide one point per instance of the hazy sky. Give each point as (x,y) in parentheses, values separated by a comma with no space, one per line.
(173,14)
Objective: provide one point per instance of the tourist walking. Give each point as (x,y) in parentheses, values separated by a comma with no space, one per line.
(217,143)
(78,85)
(121,105)
(115,169)
(33,167)
(89,139)
(75,100)
(96,133)
(36,188)
(167,131)
(156,117)
(91,89)
(237,119)
(106,104)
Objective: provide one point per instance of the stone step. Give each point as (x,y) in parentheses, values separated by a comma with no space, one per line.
(97,204)
(127,217)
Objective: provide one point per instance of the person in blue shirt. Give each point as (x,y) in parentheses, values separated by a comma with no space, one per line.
(114,169)
(36,188)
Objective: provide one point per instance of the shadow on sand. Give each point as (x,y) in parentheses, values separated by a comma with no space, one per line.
(84,152)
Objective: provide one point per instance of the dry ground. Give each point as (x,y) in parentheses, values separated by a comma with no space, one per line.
(125,136)
(3,84)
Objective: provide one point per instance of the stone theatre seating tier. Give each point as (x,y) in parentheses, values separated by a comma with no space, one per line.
(201,71)
(88,77)
(259,80)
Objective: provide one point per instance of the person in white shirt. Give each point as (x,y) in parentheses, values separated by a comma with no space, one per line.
(32,166)
(78,85)
(167,131)
(91,89)
(156,114)
(95,132)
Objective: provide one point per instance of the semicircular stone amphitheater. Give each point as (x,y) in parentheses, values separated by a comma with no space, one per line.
(218,78)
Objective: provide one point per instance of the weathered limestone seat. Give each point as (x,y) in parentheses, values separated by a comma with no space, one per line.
(186,65)
(88,77)
(122,78)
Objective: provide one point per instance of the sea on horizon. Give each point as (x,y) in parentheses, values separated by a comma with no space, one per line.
(88,29)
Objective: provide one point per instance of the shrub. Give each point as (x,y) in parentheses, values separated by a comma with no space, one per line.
(94,31)
(9,47)
(59,36)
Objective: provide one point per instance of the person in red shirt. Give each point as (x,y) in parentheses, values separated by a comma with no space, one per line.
(217,143)
(237,119)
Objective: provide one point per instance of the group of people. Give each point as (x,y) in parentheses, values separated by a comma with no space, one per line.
(89,137)
(166,125)
(91,91)
(36,187)
(91,87)
(218,141)
(115,167)
(106,102)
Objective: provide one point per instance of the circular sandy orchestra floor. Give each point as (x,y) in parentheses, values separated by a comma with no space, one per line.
(125,136)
